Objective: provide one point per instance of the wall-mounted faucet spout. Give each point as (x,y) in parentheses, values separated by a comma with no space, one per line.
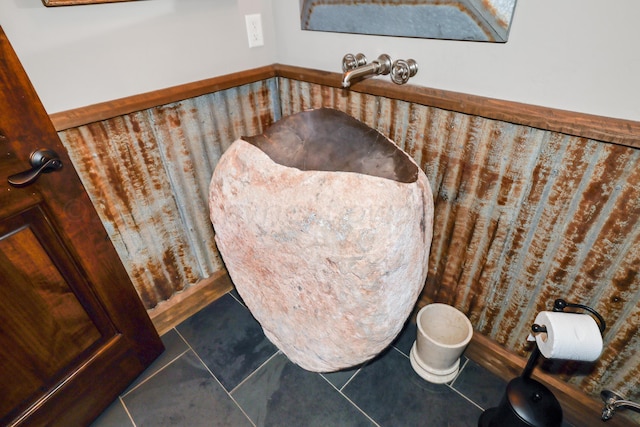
(382,65)
(613,401)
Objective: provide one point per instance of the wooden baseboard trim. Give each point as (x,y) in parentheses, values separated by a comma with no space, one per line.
(578,408)
(182,305)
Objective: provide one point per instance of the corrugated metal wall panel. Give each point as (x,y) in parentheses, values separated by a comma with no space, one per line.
(148,175)
(522,216)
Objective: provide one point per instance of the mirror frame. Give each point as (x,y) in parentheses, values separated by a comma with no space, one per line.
(471,20)
(78,2)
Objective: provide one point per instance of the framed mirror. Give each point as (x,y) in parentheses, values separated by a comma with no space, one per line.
(476,20)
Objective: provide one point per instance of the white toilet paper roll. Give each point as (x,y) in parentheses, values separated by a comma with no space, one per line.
(569,336)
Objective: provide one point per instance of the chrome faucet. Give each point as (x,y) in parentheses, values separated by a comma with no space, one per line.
(356,67)
(613,401)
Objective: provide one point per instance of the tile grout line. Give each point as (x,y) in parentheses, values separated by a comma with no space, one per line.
(154,374)
(126,393)
(359,409)
(126,410)
(396,347)
(322,376)
(464,365)
(339,390)
(399,351)
(352,377)
(234,297)
(254,371)
(466,398)
(450,385)
(216,379)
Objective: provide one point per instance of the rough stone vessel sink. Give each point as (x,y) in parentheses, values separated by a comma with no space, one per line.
(324,226)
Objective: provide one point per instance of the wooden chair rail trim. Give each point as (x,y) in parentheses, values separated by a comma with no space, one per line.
(606,129)
(109,109)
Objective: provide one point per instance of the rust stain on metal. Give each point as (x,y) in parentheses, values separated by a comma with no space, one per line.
(490,7)
(522,215)
(148,173)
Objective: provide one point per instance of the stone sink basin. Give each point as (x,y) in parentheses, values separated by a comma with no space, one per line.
(324,225)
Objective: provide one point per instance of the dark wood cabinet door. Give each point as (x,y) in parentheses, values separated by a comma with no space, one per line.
(73,332)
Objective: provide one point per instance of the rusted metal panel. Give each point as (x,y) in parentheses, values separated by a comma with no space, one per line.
(522,216)
(148,175)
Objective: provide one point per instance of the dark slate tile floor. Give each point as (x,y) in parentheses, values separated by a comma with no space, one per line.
(218,369)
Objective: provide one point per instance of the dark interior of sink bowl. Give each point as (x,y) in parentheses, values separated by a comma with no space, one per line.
(330,140)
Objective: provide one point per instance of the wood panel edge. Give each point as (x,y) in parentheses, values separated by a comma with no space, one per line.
(578,407)
(105,110)
(599,128)
(183,305)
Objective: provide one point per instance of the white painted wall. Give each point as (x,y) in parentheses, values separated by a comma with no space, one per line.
(577,55)
(81,55)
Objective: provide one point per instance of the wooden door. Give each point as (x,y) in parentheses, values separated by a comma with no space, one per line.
(73,331)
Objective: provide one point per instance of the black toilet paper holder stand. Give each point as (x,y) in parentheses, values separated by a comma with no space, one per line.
(526,402)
